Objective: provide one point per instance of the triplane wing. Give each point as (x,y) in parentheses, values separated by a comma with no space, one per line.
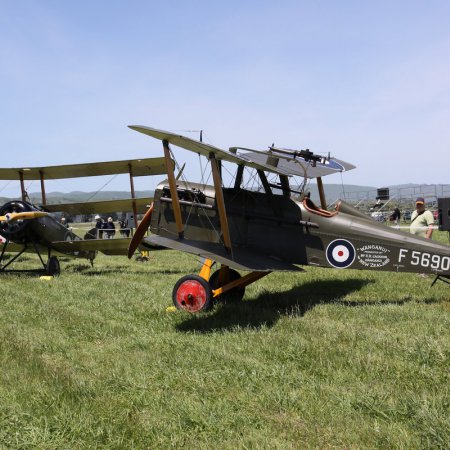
(262,230)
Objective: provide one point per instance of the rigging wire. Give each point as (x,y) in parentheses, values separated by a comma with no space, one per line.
(201,168)
(6,185)
(224,168)
(188,186)
(106,184)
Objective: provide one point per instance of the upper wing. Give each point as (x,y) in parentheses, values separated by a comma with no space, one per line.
(268,161)
(298,165)
(241,258)
(101,207)
(138,167)
(205,149)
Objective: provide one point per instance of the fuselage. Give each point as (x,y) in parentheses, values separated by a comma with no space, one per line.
(297,231)
(39,232)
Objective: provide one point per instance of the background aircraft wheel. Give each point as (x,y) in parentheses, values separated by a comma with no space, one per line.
(192,293)
(233,296)
(52,268)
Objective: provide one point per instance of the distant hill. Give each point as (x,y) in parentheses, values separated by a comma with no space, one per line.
(400,193)
(78,196)
(339,191)
(349,192)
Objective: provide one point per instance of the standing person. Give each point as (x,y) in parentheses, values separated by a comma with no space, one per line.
(100,225)
(124,230)
(64,222)
(422,220)
(396,216)
(110,228)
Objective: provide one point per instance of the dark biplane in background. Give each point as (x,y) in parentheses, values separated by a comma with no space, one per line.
(26,227)
(266,230)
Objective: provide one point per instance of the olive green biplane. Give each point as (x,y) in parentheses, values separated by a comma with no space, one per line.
(25,227)
(268,229)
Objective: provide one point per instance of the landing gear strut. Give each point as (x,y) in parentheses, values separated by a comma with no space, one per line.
(52,267)
(234,295)
(195,293)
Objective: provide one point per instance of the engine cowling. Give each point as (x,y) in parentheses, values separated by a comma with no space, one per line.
(15,230)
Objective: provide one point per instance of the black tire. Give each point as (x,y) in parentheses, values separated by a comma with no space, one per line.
(233,296)
(52,268)
(193,294)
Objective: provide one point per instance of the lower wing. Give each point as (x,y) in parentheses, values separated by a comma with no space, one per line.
(240,258)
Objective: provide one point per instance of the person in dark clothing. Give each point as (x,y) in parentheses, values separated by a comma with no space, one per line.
(124,230)
(110,228)
(395,216)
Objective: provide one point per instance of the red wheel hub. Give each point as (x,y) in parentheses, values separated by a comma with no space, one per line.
(191,296)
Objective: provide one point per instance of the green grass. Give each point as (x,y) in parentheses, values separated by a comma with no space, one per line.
(321,359)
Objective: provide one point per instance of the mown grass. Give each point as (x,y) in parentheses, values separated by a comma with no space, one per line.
(321,359)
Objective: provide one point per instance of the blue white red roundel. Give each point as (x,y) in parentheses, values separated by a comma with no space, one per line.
(340,253)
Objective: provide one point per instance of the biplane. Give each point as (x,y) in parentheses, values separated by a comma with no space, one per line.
(26,227)
(268,229)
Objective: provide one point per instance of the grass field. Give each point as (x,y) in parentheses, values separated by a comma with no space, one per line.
(322,359)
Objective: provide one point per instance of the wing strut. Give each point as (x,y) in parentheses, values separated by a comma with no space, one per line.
(285,185)
(265,183)
(173,190)
(22,186)
(133,196)
(220,202)
(323,203)
(44,199)
(239,175)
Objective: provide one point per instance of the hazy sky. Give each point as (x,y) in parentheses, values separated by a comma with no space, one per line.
(367,81)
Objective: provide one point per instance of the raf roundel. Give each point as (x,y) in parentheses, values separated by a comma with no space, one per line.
(340,253)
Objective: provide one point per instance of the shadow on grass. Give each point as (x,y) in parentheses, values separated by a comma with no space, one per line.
(266,309)
(100,271)
(122,269)
(23,273)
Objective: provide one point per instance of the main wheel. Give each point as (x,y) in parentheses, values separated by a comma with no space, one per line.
(234,295)
(192,293)
(52,268)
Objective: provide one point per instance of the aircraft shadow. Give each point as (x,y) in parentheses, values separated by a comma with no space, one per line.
(267,308)
(89,271)
(92,271)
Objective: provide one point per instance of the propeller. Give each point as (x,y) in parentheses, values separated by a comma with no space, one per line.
(10,217)
(140,232)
